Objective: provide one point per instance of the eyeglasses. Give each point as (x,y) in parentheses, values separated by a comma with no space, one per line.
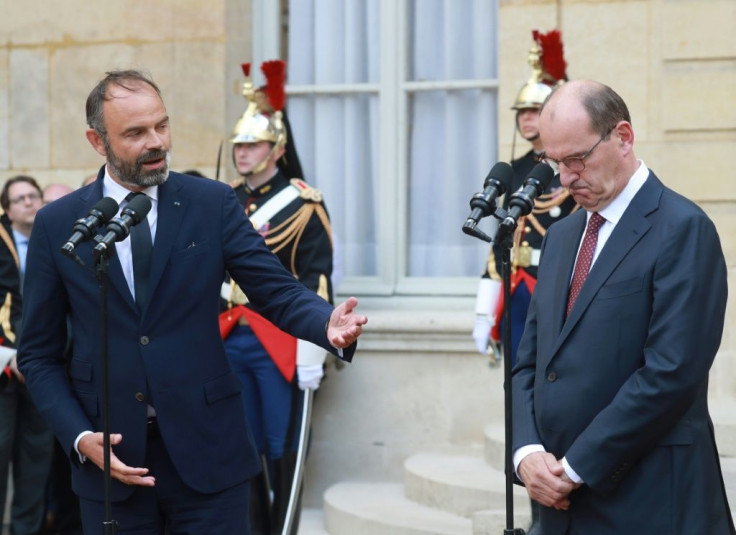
(32,197)
(573,163)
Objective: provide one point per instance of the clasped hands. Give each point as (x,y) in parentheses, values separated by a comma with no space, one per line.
(546,481)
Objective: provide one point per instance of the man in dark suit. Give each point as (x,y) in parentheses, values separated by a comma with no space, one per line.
(26,442)
(182,453)
(611,426)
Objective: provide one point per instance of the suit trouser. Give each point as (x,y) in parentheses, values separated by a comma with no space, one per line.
(27,443)
(171,506)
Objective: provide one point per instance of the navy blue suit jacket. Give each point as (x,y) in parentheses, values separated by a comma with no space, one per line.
(620,387)
(170,355)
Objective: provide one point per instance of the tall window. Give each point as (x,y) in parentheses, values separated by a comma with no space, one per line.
(393,108)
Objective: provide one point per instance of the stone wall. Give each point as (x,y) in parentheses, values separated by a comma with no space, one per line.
(52,54)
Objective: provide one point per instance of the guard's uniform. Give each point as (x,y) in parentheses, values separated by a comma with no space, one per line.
(272,365)
(554,204)
(265,358)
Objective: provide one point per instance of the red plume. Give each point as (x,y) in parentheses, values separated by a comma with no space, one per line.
(246,69)
(553,54)
(275,73)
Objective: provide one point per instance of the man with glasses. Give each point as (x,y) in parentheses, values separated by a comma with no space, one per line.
(25,440)
(554,204)
(611,426)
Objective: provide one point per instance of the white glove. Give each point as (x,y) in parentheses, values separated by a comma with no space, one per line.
(309,376)
(482,333)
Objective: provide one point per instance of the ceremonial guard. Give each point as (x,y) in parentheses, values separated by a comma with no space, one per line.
(278,372)
(546,59)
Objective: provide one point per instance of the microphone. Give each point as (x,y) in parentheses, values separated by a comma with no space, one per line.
(521,202)
(119,228)
(484,203)
(83,228)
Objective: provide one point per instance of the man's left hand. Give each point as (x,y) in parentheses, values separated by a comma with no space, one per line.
(345,325)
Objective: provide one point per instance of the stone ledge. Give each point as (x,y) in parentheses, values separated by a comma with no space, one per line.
(373,508)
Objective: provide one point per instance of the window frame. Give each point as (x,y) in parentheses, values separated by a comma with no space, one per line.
(394,92)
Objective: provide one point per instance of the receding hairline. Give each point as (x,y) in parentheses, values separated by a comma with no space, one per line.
(128,80)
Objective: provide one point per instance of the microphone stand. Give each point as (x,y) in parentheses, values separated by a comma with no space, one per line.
(504,238)
(102,259)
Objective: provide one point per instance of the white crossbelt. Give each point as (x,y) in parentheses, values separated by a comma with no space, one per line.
(277,203)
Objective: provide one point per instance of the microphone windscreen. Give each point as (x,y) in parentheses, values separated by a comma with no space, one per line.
(502,172)
(140,205)
(107,208)
(543,175)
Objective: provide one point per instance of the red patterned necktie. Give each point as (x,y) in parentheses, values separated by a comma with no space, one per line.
(585,258)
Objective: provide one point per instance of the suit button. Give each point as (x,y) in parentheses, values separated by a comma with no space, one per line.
(551,377)
(144,340)
(139,396)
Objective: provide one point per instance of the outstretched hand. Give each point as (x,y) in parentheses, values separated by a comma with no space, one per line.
(345,325)
(91,446)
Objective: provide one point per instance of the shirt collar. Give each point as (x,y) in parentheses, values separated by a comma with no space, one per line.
(614,211)
(110,188)
(20,239)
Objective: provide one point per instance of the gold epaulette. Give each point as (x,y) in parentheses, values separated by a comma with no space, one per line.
(306,192)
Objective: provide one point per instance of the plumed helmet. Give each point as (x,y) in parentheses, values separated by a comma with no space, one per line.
(262,119)
(547,60)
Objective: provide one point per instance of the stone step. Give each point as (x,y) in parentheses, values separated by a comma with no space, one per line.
(458,481)
(494,445)
(312,522)
(723,413)
(383,509)
(728,466)
(493,522)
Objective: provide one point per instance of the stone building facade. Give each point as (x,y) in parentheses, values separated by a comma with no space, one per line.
(417,380)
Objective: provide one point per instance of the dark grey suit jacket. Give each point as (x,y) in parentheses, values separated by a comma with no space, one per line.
(620,387)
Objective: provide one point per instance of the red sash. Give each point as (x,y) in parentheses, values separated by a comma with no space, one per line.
(520,276)
(281,347)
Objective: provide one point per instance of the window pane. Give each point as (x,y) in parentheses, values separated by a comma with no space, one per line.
(452,147)
(452,141)
(336,137)
(332,42)
(452,39)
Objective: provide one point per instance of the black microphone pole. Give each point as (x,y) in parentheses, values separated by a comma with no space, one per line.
(84,228)
(482,206)
(102,258)
(506,244)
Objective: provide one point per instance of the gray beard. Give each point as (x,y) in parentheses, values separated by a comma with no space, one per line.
(134,174)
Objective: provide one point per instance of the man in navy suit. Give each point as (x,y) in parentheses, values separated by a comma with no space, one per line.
(611,426)
(182,452)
